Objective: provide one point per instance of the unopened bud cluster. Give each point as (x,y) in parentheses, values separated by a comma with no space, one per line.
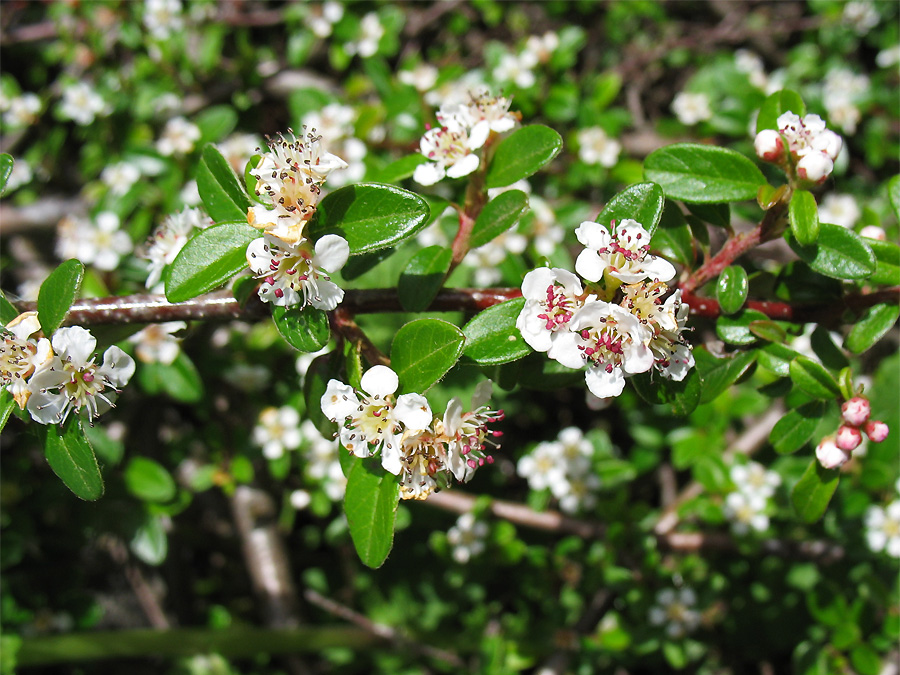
(424,450)
(834,451)
(803,145)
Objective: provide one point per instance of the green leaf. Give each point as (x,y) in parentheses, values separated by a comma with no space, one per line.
(776,105)
(8,311)
(643,202)
(683,397)
(6,167)
(492,337)
(675,244)
(149,481)
(370,504)
(223,197)
(150,542)
(794,430)
(735,329)
(57,294)
(894,195)
(725,373)
(777,358)
(871,327)
(522,153)
(703,173)
(804,217)
(215,123)
(304,328)
(812,378)
(768,330)
(497,216)
(370,216)
(401,169)
(423,277)
(209,259)
(179,379)
(72,458)
(732,289)
(423,351)
(360,264)
(7,405)
(714,214)
(865,660)
(887,262)
(813,491)
(838,253)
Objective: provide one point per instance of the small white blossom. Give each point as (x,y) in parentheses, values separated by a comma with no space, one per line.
(22,110)
(541,47)
(120,177)
(467,537)
(277,431)
(517,69)
(81,103)
(157,344)
(577,492)
(883,529)
(321,23)
(300,499)
(162,18)
(423,77)
(691,108)
(623,254)
(450,150)
(873,232)
(168,239)
(746,511)
(21,355)
(839,210)
(596,147)
(888,57)
(178,137)
(371,32)
(100,243)
(552,296)
(752,64)
(542,467)
(674,609)
(466,434)
(860,16)
(753,478)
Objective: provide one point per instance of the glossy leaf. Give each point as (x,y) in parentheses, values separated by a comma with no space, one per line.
(838,253)
(7,405)
(522,153)
(643,202)
(703,173)
(714,214)
(179,379)
(732,289)
(370,216)
(492,337)
(768,330)
(360,264)
(304,328)
(8,311)
(735,329)
(812,378)
(871,327)
(675,244)
(215,123)
(57,294)
(723,374)
(777,358)
(804,217)
(401,169)
(423,351)
(223,197)
(498,216)
(682,397)
(887,262)
(370,504)
(72,458)
(208,260)
(894,195)
(813,491)
(149,481)
(6,167)
(423,277)
(777,104)
(794,430)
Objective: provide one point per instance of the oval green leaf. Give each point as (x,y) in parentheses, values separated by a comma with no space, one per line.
(6,167)
(370,504)
(674,243)
(812,378)
(492,337)
(703,173)
(887,262)
(643,202)
(718,215)
(523,153)
(838,253)
(497,216)
(57,294)
(208,260)
(735,329)
(179,379)
(303,328)
(813,491)
(794,430)
(732,289)
(423,277)
(777,358)
(776,105)
(723,374)
(769,331)
(149,481)
(222,195)
(370,216)
(7,405)
(401,169)
(682,397)
(423,351)
(215,123)
(72,458)
(804,217)
(871,327)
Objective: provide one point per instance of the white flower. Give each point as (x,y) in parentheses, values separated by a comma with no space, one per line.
(71,380)
(888,57)
(883,528)
(297,274)
(691,108)
(665,322)
(830,456)
(517,69)
(156,343)
(178,137)
(467,537)
(300,499)
(100,244)
(752,64)
(162,18)
(624,254)
(577,492)
(120,177)
(541,48)
(481,114)
(371,32)
(466,434)
(860,16)
(22,110)
(745,510)
(277,431)
(21,356)
(169,238)
(423,77)
(839,210)
(81,104)
(552,295)
(321,24)
(808,136)
(596,147)
(752,478)
(450,151)
(542,467)
(675,610)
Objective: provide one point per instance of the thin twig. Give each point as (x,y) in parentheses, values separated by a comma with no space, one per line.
(145,596)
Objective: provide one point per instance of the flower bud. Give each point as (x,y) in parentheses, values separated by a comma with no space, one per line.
(848,438)
(830,455)
(873,232)
(828,142)
(856,411)
(815,167)
(769,146)
(876,430)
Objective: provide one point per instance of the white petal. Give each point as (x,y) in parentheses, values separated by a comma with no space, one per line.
(453,416)
(390,456)
(338,401)
(463,167)
(118,367)
(413,410)
(332,252)
(593,235)
(604,384)
(379,381)
(75,342)
(46,408)
(638,358)
(482,394)
(565,350)
(590,265)
(428,173)
(329,296)
(258,258)
(479,134)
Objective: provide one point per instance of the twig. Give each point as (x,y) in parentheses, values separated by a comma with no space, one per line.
(342,323)
(145,596)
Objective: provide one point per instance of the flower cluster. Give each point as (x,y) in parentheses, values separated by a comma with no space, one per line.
(52,379)
(167,241)
(563,466)
(834,451)
(464,128)
(746,507)
(100,242)
(883,528)
(467,537)
(801,143)
(641,330)
(675,609)
(414,444)
(293,270)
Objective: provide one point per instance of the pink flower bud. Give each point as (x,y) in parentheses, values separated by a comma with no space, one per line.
(815,167)
(873,232)
(848,438)
(856,411)
(876,430)
(828,142)
(769,146)
(830,455)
